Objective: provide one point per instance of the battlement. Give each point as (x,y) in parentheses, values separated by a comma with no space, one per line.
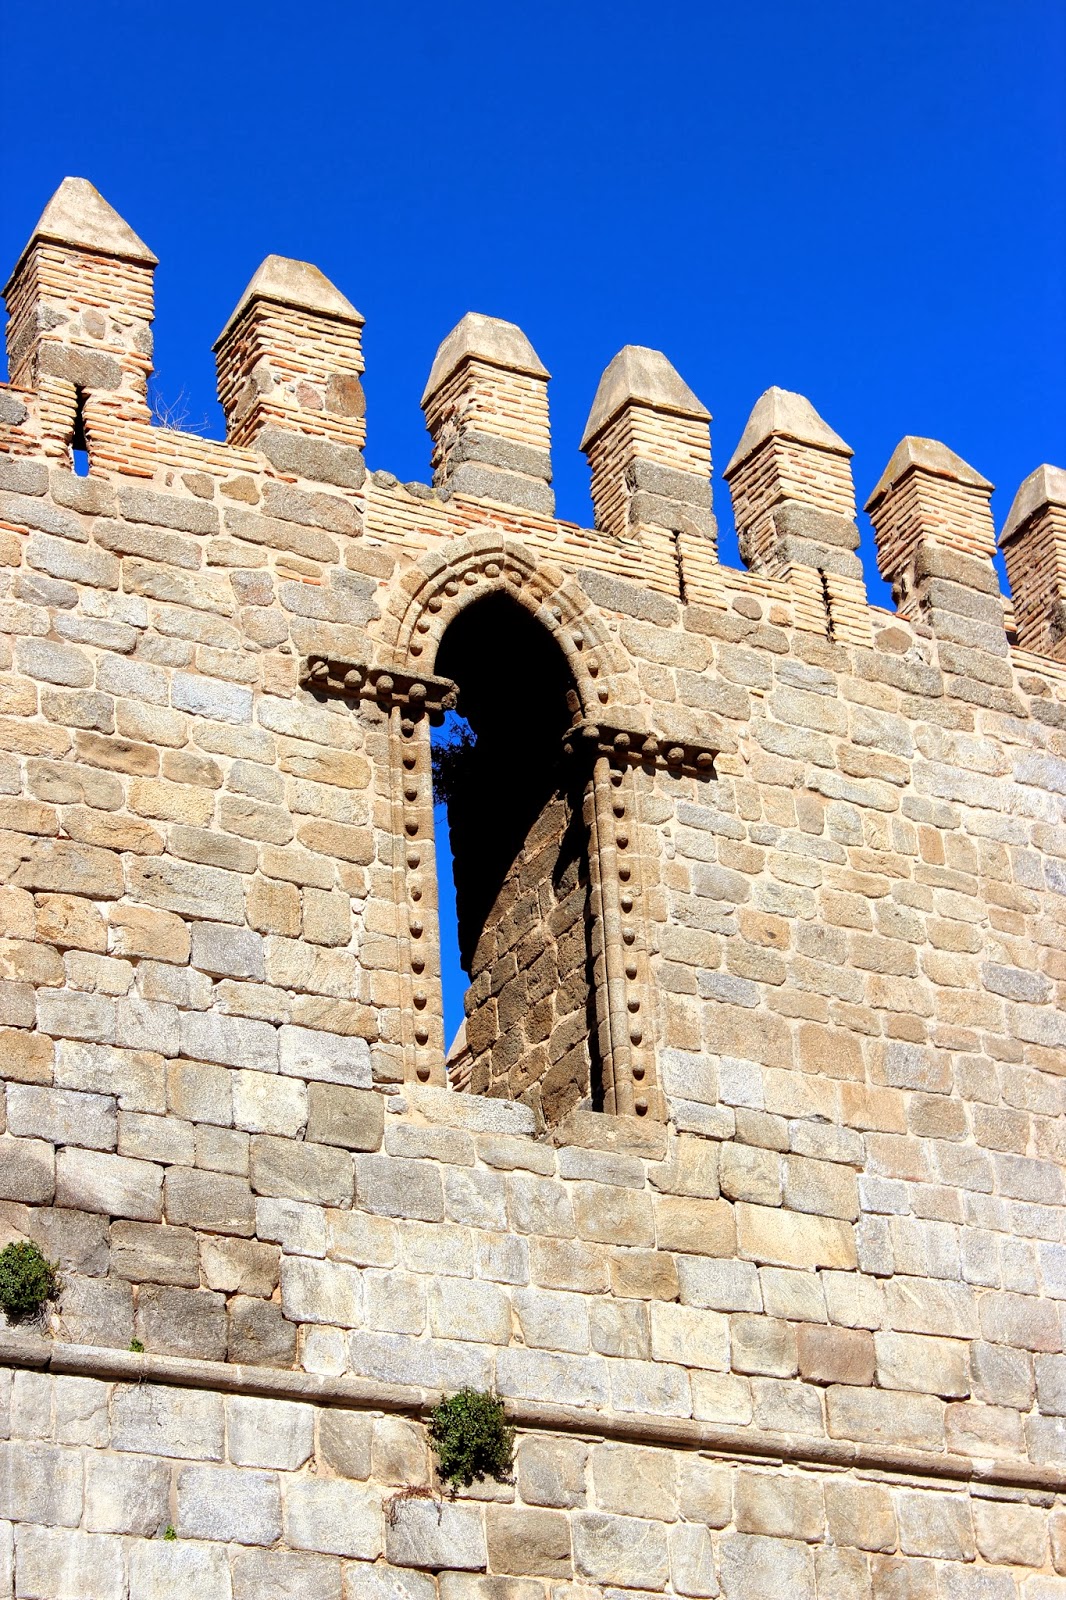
(743,1182)
(289,381)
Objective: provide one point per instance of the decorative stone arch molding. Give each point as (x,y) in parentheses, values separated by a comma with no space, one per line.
(610,736)
(430,596)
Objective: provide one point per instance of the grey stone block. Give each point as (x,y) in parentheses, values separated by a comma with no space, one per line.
(687,488)
(620,1550)
(325,1057)
(97,1311)
(126,1494)
(145,1252)
(259,1333)
(27,1170)
(209,697)
(218,1201)
(151,1419)
(291,1170)
(630,601)
(353,1118)
(321,1291)
(12,410)
(22,476)
(333,1517)
(827,558)
(227,952)
(182,1322)
(319,460)
(240,1266)
(190,515)
(40,1483)
(479,482)
(86,369)
(229,1503)
(391,1186)
(232,1041)
(476,1113)
(90,1180)
(493,451)
(269,1433)
(76,1239)
(65,1565)
(344,1439)
(284,1575)
(62,1116)
(164,1571)
(436,1533)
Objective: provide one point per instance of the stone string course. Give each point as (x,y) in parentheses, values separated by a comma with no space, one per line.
(797,1331)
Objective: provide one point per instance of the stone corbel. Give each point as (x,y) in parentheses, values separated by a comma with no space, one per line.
(665,752)
(415,696)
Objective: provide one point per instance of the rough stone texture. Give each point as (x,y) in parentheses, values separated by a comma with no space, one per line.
(811,1212)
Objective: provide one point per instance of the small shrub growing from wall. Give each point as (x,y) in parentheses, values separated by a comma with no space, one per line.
(472,1438)
(28,1280)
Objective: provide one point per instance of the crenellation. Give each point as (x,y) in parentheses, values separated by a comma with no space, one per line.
(290,357)
(486,408)
(749,1202)
(1033,541)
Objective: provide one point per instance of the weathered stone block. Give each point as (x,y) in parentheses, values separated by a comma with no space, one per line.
(228,1503)
(352,1118)
(182,1322)
(66,1565)
(220,1202)
(434,1534)
(791,1239)
(126,1494)
(333,1517)
(90,1180)
(268,1433)
(148,1253)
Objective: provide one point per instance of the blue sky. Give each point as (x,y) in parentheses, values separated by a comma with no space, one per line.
(866,203)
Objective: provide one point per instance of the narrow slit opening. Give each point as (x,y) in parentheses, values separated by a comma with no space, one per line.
(827,602)
(79,443)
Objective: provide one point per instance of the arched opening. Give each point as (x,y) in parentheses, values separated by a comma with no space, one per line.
(518,823)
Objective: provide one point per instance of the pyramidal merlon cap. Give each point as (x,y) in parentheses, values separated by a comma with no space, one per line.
(481,338)
(1044,487)
(925,455)
(297,284)
(78,215)
(639,376)
(787,415)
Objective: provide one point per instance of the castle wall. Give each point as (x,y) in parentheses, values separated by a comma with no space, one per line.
(787,1321)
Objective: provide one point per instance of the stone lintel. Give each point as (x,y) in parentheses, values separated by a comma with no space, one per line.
(782,414)
(480,338)
(297,284)
(924,455)
(1044,487)
(643,377)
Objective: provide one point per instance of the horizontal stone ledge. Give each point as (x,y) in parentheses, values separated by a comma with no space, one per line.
(366,1394)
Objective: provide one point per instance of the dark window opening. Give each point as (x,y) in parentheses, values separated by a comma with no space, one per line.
(79,444)
(518,830)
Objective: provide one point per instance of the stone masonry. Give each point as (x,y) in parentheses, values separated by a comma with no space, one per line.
(777,1301)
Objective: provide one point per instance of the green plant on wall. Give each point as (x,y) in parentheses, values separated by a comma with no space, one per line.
(28,1280)
(472,1438)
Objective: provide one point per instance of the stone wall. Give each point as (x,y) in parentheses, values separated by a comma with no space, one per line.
(786,1318)
(530,1028)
